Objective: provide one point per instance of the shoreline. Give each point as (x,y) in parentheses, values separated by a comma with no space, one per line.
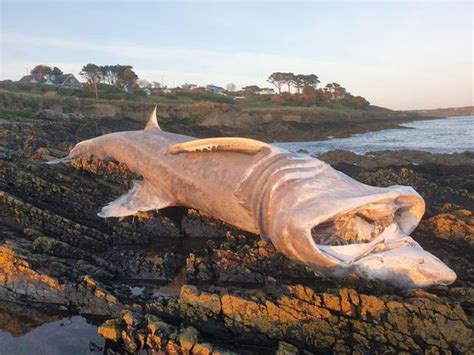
(286,132)
(205,284)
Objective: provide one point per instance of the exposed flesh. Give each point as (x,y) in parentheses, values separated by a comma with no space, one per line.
(359,226)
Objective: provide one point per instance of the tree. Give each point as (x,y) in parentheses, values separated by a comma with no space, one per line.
(357,102)
(334,92)
(113,74)
(92,74)
(310,80)
(298,82)
(251,89)
(156,85)
(231,87)
(312,96)
(128,78)
(288,80)
(42,69)
(56,71)
(107,75)
(278,79)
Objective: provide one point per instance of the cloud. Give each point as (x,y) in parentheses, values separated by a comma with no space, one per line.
(241,65)
(407,81)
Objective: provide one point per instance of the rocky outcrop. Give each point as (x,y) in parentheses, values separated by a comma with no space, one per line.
(456,225)
(133,332)
(178,281)
(22,281)
(342,320)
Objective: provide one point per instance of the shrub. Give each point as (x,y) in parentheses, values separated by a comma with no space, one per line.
(357,102)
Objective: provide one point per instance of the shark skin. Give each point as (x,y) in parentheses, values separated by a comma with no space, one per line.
(308,210)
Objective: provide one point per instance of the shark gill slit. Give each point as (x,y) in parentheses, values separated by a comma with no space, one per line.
(357,226)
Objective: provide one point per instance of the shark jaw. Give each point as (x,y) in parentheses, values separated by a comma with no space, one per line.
(391,255)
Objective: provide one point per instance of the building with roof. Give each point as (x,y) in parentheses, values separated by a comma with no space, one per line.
(63,80)
(215,89)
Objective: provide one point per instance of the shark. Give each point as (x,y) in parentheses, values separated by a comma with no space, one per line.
(309,211)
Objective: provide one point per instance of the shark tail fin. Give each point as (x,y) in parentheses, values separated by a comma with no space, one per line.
(152,124)
(223,144)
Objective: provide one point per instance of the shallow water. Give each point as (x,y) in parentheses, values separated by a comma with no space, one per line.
(446,135)
(71,335)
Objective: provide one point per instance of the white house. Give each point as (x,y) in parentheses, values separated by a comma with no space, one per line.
(215,89)
(266,91)
(189,86)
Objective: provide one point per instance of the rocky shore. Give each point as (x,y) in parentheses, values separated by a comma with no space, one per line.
(175,281)
(204,119)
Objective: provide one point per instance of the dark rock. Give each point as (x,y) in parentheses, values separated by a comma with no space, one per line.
(202,280)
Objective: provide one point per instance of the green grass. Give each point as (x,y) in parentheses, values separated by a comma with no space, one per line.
(35,97)
(9,113)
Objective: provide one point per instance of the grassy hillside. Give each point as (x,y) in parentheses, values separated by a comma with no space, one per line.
(207,114)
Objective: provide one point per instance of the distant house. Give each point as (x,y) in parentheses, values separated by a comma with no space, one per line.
(266,91)
(189,86)
(63,80)
(33,79)
(215,89)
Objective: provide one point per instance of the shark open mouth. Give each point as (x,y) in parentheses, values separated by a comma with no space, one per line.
(371,238)
(366,229)
(360,225)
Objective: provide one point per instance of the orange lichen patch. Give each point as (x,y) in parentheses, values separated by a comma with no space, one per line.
(304,293)
(331,302)
(14,269)
(464,213)
(318,312)
(371,305)
(295,305)
(100,293)
(237,308)
(144,216)
(111,299)
(347,307)
(448,225)
(111,329)
(89,281)
(191,295)
(367,320)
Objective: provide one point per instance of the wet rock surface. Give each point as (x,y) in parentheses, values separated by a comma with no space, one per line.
(176,281)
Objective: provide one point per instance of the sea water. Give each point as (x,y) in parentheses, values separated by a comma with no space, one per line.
(446,135)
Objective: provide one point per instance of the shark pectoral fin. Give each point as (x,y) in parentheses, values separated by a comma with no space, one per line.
(223,144)
(142,197)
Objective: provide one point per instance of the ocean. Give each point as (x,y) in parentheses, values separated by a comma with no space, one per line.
(446,135)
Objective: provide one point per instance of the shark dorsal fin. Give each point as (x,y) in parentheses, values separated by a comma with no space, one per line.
(223,144)
(152,124)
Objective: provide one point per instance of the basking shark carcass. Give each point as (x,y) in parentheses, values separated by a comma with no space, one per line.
(308,210)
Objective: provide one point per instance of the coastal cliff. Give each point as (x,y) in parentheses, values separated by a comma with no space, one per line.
(209,119)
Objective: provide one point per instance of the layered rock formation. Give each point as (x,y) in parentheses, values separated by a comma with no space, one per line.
(179,282)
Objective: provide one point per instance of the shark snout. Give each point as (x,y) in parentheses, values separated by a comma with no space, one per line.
(435,270)
(406,266)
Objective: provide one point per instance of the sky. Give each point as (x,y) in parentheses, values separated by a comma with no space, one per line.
(397,54)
